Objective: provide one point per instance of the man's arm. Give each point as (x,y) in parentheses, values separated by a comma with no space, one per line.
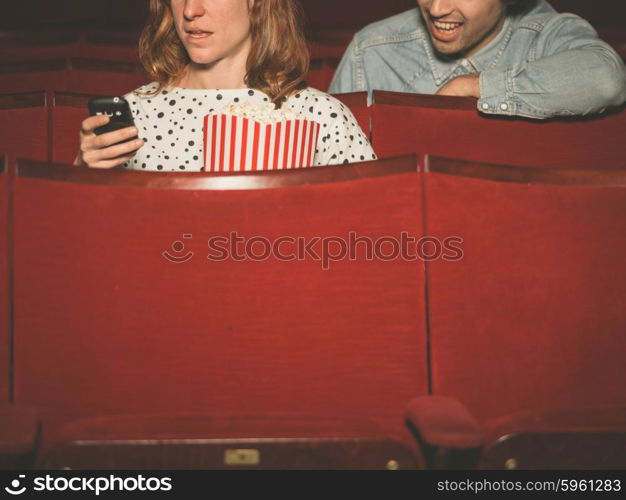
(464,86)
(575,73)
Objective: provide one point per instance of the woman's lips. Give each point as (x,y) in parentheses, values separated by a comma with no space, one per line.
(198,35)
(445,31)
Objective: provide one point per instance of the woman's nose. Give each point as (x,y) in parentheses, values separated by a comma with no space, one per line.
(193,9)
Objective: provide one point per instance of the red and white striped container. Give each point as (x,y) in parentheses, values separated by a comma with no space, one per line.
(236,144)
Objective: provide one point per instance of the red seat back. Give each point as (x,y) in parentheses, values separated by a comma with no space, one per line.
(532,317)
(105,324)
(37,45)
(24,125)
(320,74)
(68,112)
(110,45)
(32,76)
(451,127)
(4,281)
(104,77)
(357,102)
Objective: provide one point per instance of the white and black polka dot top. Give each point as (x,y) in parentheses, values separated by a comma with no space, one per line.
(171,123)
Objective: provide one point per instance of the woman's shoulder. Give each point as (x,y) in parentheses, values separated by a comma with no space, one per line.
(315,101)
(145,92)
(313,93)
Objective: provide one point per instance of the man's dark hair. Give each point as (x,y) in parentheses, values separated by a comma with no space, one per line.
(518,6)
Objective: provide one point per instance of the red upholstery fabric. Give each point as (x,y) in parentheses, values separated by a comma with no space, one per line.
(29,81)
(452,127)
(320,76)
(113,52)
(68,112)
(24,126)
(4,283)
(38,53)
(532,318)
(202,426)
(322,50)
(357,102)
(106,325)
(103,82)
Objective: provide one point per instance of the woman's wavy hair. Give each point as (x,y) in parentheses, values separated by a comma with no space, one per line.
(278,60)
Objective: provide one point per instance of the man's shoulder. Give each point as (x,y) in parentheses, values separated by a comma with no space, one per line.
(398,28)
(541,15)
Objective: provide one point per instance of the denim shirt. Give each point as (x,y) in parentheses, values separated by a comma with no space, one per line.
(541,64)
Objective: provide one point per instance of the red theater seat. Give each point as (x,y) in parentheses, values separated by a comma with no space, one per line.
(531,319)
(110,45)
(357,102)
(35,44)
(24,125)
(104,77)
(68,112)
(320,74)
(525,329)
(70,109)
(129,332)
(31,76)
(451,127)
(574,438)
(4,282)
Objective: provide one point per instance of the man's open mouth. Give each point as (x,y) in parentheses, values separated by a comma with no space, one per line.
(446,27)
(445,31)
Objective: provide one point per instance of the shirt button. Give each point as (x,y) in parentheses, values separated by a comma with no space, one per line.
(504,106)
(485,106)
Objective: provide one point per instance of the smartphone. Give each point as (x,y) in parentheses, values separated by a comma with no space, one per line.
(116,108)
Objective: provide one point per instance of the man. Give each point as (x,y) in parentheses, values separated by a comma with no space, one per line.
(518,57)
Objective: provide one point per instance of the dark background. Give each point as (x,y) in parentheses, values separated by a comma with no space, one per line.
(320,14)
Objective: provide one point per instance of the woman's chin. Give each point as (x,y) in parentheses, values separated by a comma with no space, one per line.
(202,58)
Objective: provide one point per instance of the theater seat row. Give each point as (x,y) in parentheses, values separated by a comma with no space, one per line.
(108,76)
(518,335)
(22,46)
(45,126)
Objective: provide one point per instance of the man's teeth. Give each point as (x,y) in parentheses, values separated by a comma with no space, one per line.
(446,26)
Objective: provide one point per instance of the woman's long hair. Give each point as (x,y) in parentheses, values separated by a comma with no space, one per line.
(278,60)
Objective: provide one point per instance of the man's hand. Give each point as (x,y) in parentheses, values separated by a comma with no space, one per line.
(465,86)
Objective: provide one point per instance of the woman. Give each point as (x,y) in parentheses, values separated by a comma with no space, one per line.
(205,55)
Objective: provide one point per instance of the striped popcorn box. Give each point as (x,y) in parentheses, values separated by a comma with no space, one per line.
(235,143)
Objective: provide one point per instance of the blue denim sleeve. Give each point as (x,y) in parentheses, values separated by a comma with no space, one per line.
(345,78)
(573,72)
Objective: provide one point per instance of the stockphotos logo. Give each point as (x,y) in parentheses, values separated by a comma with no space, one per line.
(16,487)
(95,485)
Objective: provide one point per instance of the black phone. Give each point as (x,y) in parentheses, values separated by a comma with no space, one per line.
(116,108)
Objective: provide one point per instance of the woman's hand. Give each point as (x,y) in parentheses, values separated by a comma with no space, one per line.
(103,151)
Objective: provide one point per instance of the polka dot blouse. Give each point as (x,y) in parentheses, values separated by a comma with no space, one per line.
(171,124)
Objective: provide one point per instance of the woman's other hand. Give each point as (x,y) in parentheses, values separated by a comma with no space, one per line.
(106,150)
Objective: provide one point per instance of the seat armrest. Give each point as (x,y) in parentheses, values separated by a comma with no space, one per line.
(447,433)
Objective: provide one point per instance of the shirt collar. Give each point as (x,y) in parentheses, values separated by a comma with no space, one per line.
(443,69)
